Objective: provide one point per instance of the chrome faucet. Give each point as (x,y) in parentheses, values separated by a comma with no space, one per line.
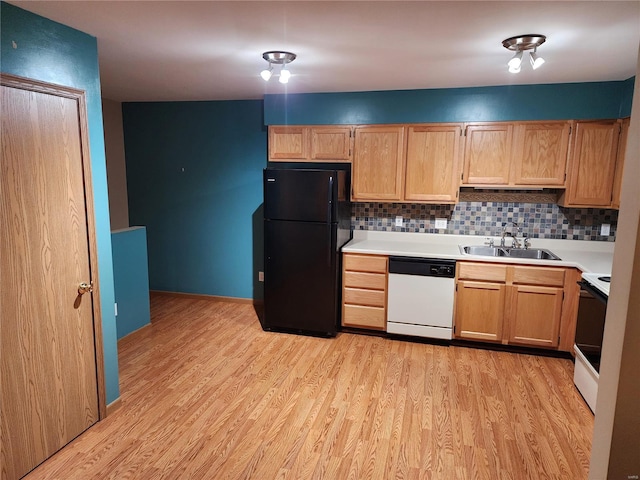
(514,238)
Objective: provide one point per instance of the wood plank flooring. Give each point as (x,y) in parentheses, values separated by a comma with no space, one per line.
(206,394)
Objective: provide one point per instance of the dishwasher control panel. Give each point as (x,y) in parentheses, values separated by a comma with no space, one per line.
(427,267)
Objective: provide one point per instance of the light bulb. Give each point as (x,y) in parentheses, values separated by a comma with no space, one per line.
(266,73)
(284,75)
(535,60)
(514,69)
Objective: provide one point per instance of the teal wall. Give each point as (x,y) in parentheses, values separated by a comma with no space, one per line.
(131,279)
(54,53)
(503,103)
(194,179)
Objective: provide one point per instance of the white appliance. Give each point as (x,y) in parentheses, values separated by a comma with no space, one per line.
(420,301)
(592,310)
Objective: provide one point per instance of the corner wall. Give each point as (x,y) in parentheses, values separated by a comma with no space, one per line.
(194,173)
(51,52)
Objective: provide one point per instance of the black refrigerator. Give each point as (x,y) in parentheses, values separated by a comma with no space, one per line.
(307,219)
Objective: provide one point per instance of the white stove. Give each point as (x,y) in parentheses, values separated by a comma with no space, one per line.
(592,312)
(601,281)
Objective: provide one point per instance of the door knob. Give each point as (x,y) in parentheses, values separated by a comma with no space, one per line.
(85,287)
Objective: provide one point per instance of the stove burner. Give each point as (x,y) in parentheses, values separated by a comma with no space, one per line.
(605,279)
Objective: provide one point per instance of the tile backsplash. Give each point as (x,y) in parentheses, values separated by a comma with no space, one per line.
(538,220)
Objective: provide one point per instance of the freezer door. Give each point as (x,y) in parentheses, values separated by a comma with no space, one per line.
(301,289)
(302,195)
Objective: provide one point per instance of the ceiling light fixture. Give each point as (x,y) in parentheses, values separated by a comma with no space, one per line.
(277,58)
(520,44)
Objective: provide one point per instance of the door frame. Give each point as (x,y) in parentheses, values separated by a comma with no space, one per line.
(79,96)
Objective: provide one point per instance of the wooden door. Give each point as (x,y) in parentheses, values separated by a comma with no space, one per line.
(331,144)
(50,385)
(487,154)
(593,163)
(432,171)
(540,153)
(479,310)
(377,163)
(535,317)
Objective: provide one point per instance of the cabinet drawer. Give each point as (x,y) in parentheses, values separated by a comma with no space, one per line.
(550,277)
(365,263)
(374,281)
(365,317)
(358,296)
(482,271)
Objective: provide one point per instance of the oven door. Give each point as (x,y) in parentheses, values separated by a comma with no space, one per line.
(592,311)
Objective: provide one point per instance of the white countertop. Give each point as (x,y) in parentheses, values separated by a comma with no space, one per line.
(588,256)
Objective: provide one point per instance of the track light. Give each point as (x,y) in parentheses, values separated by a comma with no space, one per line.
(284,75)
(535,59)
(266,73)
(515,62)
(520,44)
(278,58)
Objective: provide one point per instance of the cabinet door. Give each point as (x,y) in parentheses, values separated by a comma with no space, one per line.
(487,154)
(593,163)
(622,150)
(331,143)
(535,315)
(479,310)
(432,173)
(377,163)
(288,143)
(540,153)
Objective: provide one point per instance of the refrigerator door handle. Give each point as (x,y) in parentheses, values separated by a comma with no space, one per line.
(329,200)
(330,217)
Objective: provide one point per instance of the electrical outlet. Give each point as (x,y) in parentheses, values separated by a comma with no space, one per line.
(261,276)
(441,223)
(399,221)
(605,229)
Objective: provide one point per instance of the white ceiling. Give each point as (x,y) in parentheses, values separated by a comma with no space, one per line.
(212,50)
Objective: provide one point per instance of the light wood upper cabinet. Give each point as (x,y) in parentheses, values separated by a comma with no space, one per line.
(433,163)
(622,150)
(592,164)
(288,143)
(378,163)
(527,154)
(331,144)
(309,144)
(487,154)
(540,153)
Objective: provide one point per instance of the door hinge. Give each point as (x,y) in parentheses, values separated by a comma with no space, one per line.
(570,130)
(462,176)
(565,177)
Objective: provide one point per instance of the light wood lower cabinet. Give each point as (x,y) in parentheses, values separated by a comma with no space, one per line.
(514,304)
(364,291)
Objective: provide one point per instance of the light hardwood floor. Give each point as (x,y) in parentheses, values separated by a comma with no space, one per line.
(207,394)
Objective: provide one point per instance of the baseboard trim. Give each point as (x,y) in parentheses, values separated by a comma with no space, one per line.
(113,406)
(200,296)
(139,330)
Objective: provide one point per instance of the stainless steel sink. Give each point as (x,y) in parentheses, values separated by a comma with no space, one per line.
(484,251)
(531,253)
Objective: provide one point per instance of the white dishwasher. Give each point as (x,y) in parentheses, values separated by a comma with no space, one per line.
(420,301)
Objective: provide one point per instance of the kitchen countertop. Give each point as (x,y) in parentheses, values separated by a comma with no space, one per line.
(586,255)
